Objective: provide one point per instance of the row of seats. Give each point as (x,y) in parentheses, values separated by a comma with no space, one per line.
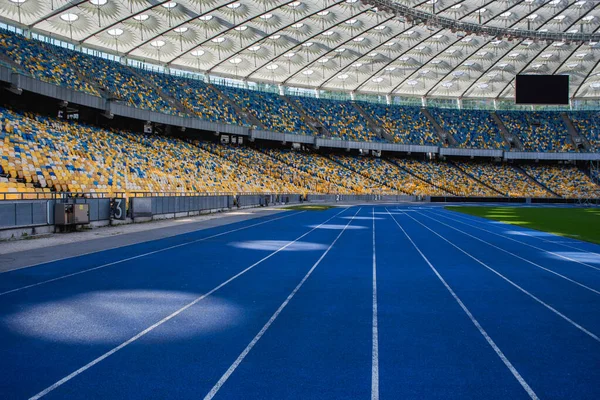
(538,131)
(120,81)
(273,112)
(506,179)
(340,118)
(294,180)
(470,128)
(328,170)
(407,125)
(37,59)
(588,123)
(566,181)
(198,97)
(446,177)
(49,154)
(388,175)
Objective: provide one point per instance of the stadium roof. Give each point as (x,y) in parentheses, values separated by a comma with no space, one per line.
(340,45)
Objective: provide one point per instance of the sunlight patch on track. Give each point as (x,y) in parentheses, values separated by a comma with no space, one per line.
(336,227)
(101,316)
(588,258)
(270,245)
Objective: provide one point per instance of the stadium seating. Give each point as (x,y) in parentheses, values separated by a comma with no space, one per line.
(121,82)
(470,128)
(198,97)
(49,154)
(340,118)
(566,181)
(445,176)
(270,109)
(538,131)
(37,59)
(588,125)
(330,171)
(407,125)
(506,179)
(387,174)
(40,155)
(267,164)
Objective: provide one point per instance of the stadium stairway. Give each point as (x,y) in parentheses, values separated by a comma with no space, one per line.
(445,137)
(315,126)
(478,180)
(536,182)
(371,124)
(246,115)
(578,140)
(510,139)
(171,100)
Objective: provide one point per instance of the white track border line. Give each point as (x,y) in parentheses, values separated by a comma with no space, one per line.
(375,340)
(487,337)
(260,334)
(514,255)
(135,257)
(454,213)
(537,299)
(133,244)
(169,317)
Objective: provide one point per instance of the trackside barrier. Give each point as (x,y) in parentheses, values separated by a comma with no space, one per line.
(34,213)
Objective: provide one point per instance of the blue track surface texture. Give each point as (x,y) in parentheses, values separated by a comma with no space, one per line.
(361,302)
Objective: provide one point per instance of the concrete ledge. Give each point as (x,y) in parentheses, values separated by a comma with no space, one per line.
(25,232)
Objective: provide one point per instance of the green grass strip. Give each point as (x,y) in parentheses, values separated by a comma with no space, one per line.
(576,223)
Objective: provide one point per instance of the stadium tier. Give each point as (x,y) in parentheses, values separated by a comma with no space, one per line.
(407,125)
(198,97)
(506,179)
(544,131)
(588,125)
(271,110)
(474,129)
(445,176)
(37,59)
(538,131)
(566,181)
(40,154)
(387,174)
(43,155)
(340,118)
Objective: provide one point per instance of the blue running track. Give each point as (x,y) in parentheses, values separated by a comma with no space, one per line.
(362,302)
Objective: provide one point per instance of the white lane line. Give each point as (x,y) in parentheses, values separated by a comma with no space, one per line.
(523,243)
(132,244)
(375,349)
(490,223)
(170,316)
(260,334)
(514,255)
(139,256)
(487,337)
(540,301)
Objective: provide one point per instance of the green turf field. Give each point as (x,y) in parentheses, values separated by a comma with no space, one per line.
(577,223)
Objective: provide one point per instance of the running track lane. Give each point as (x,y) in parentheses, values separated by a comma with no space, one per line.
(51,330)
(553,356)
(319,347)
